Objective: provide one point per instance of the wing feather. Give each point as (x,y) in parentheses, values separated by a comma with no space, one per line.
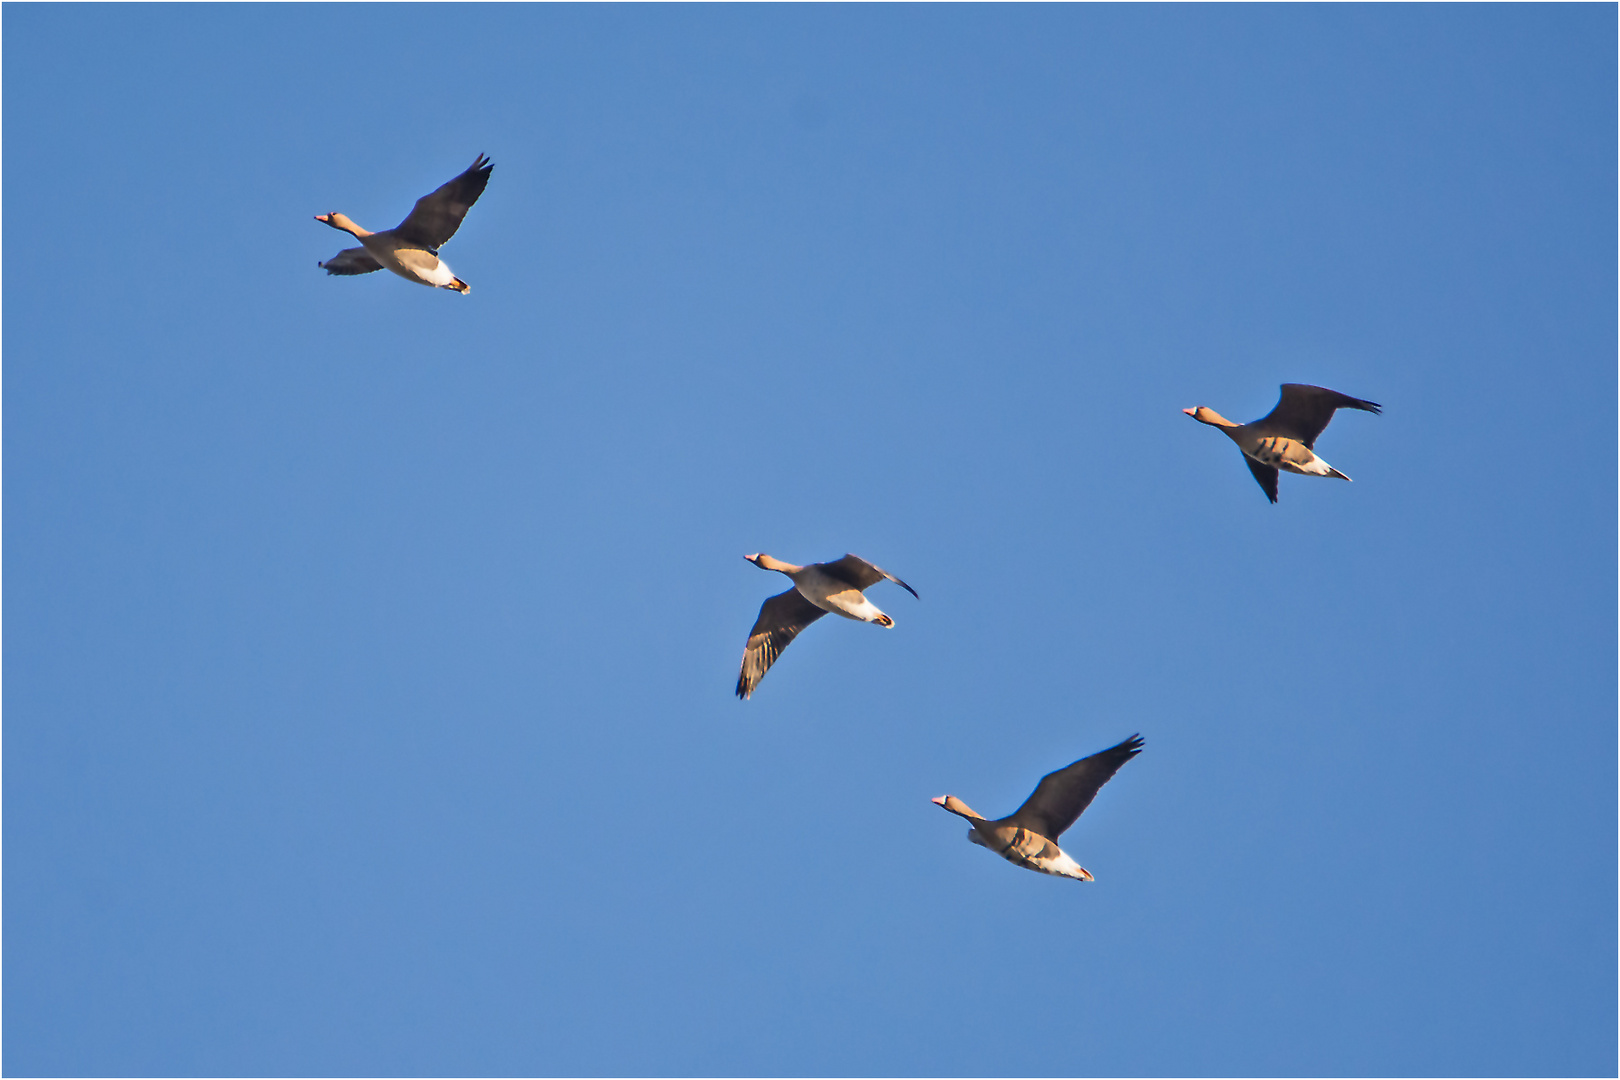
(861,574)
(437,216)
(355,260)
(780,620)
(1062,796)
(1266,475)
(1303,412)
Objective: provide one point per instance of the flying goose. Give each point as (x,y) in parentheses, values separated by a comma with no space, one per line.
(1027,837)
(837,587)
(1286,436)
(411,249)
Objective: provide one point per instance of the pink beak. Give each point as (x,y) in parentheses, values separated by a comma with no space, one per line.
(938,800)
(1190,412)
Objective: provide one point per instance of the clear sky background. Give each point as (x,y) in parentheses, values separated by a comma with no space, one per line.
(369,650)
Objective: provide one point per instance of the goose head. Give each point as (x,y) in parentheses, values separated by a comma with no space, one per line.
(1205,415)
(338,221)
(957,807)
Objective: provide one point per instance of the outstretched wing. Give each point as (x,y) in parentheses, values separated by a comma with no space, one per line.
(1265,474)
(861,574)
(1304,411)
(438,216)
(780,620)
(1063,796)
(350,261)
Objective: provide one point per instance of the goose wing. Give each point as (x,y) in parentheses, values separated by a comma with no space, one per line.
(437,216)
(1265,474)
(861,574)
(1304,411)
(351,261)
(780,620)
(1062,796)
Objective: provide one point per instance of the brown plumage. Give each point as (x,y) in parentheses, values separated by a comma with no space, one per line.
(1285,438)
(1027,837)
(411,249)
(836,586)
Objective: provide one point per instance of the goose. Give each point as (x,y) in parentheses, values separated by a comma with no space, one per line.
(1027,837)
(838,587)
(411,248)
(1285,438)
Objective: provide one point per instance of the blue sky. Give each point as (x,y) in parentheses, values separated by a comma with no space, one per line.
(369,649)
